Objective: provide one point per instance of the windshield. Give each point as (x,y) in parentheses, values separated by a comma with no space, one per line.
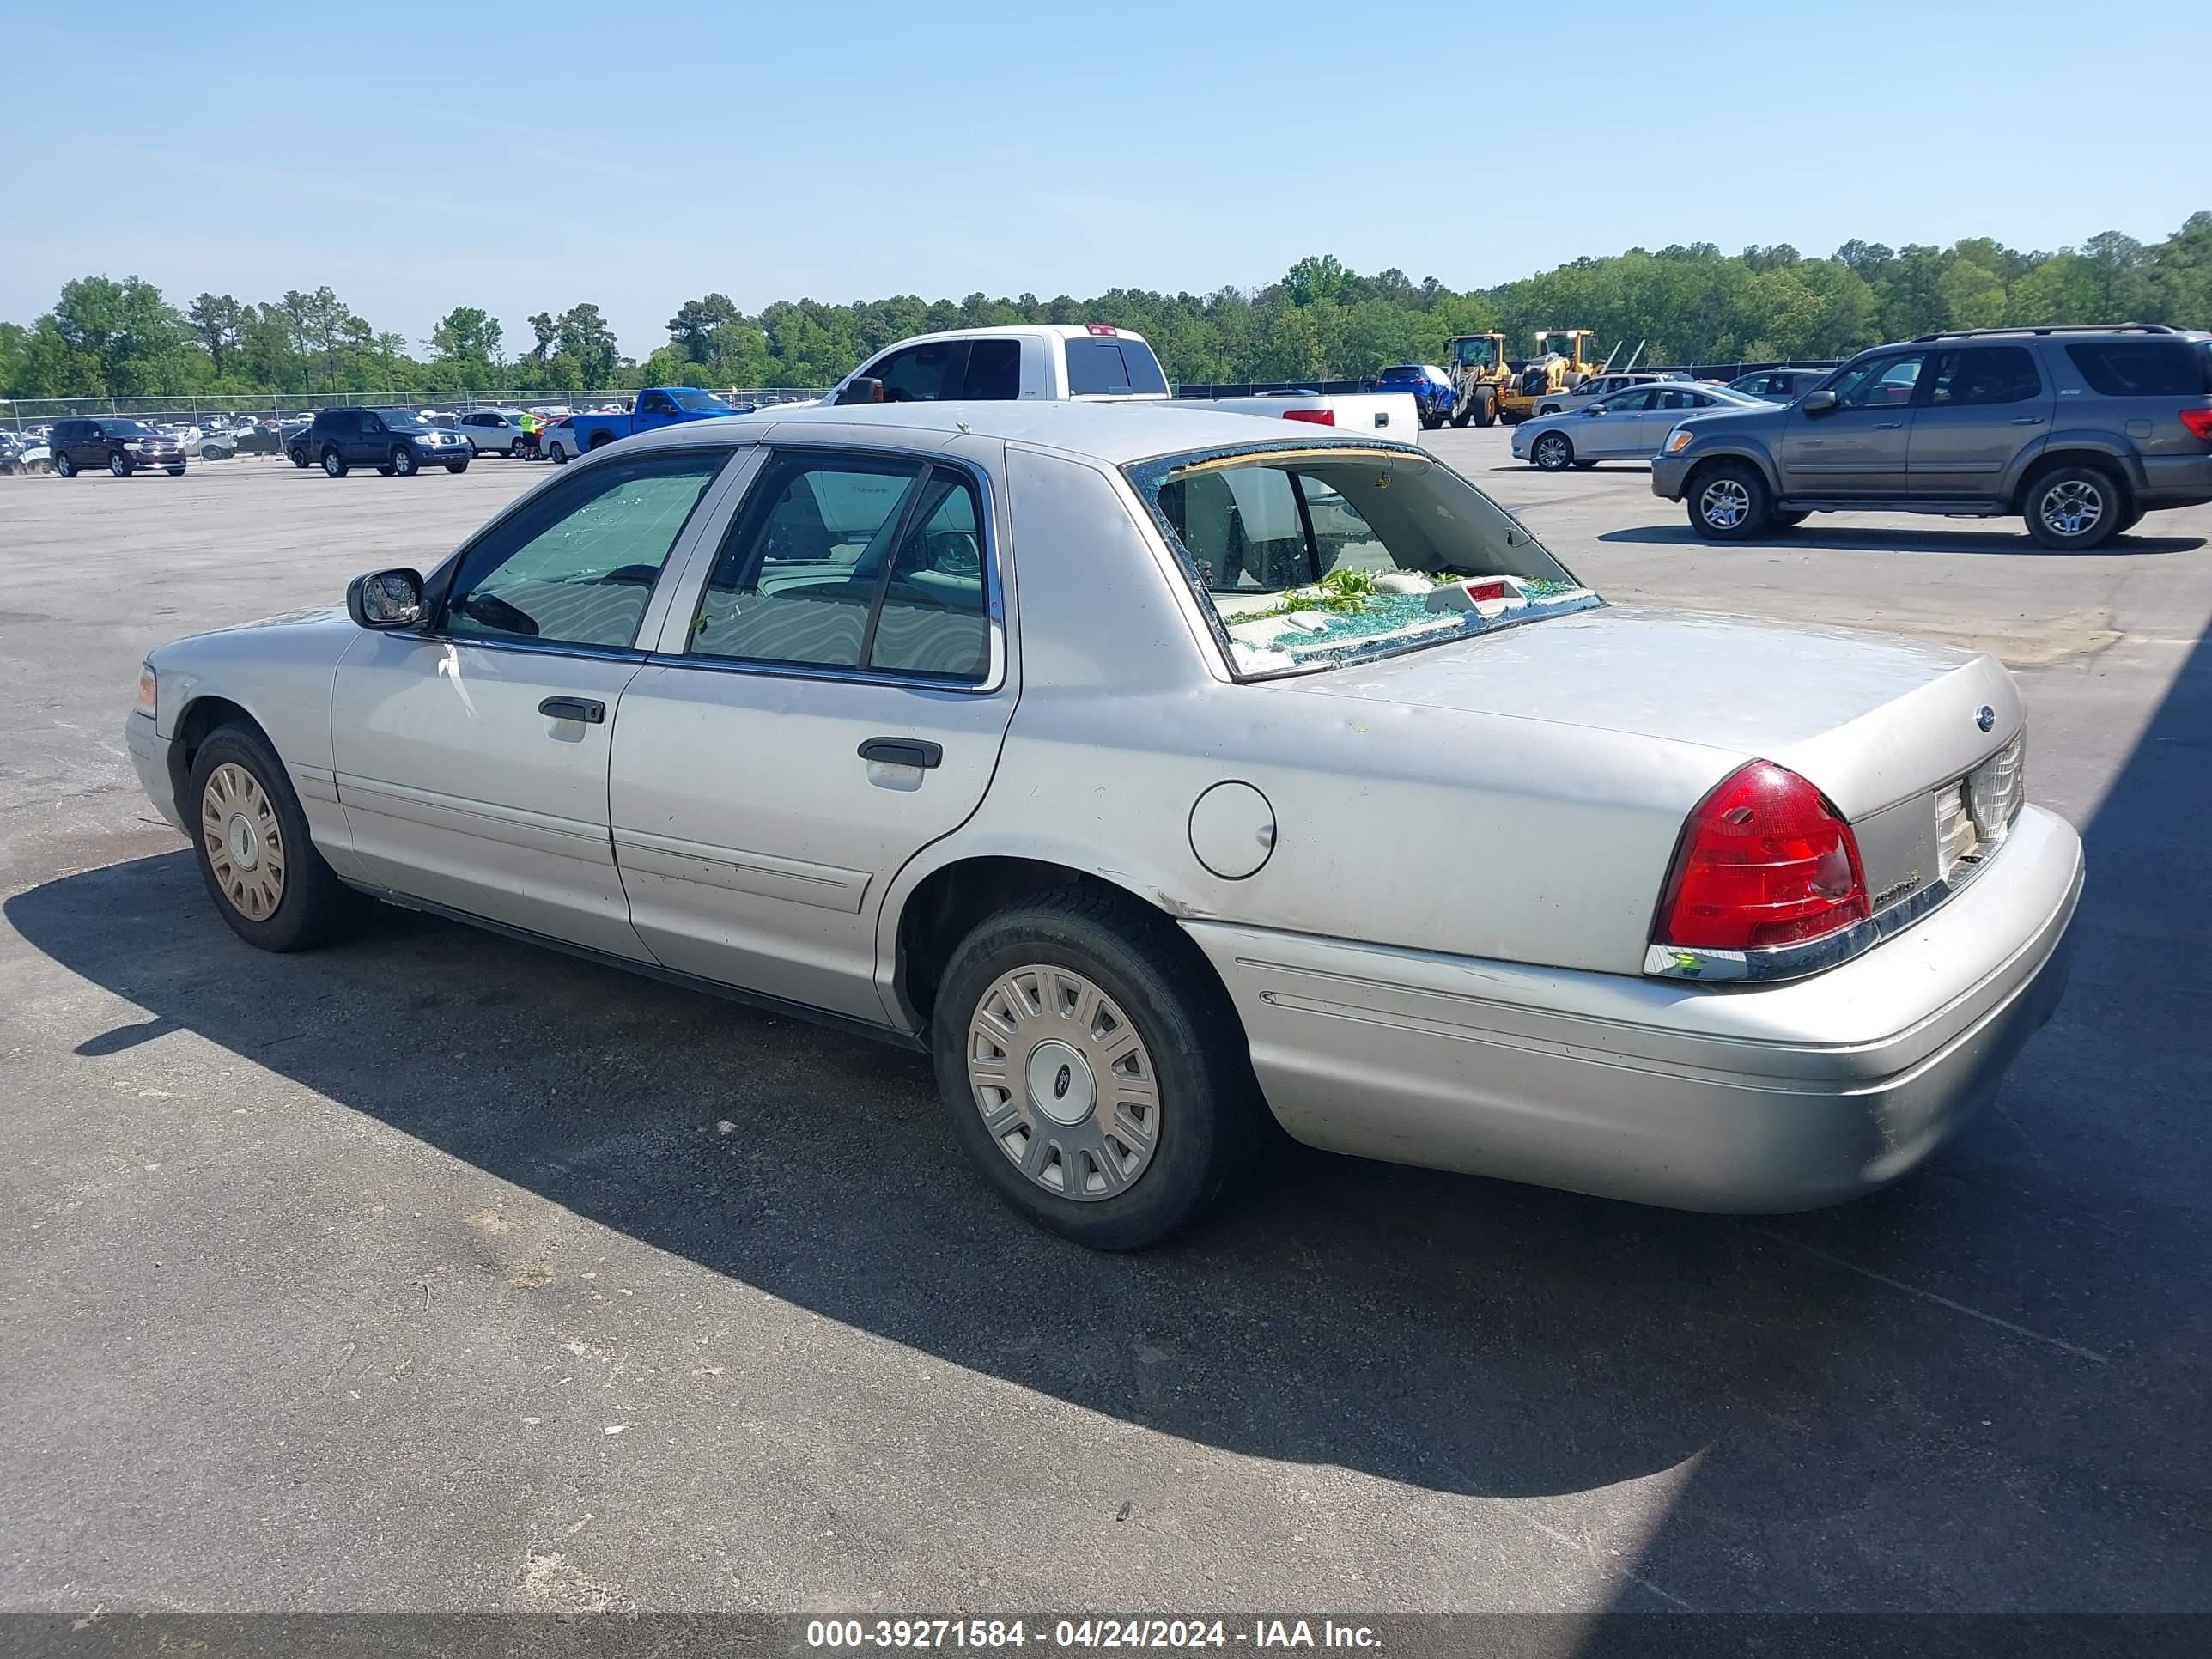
(1398,377)
(1477,353)
(1310,558)
(691,398)
(402,420)
(126,430)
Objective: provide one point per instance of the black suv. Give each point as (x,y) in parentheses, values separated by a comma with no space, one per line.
(392,440)
(122,447)
(2080,430)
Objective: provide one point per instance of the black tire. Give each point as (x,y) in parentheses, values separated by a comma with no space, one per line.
(1552,452)
(1212,1122)
(119,464)
(1484,406)
(298,458)
(384,471)
(333,463)
(1790,520)
(1729,502)
(314,907)
(457,467)
(174,471)
(2077,493)
(557,454)
(600,439)
(403,461)
(2129,520)
(64,466)
(209,453)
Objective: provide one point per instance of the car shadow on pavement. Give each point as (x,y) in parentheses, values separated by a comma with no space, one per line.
(1816,537)
(1827,1390)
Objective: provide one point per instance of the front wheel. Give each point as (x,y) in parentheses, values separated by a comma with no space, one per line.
(1790,520)
(119,464)
(298,458)
(1554,451)
(1095,1070)
(557,454)
(2071,509)
(174,471)
(1730,503)
(333,463)
(403,461)
(64,466)
(250,839)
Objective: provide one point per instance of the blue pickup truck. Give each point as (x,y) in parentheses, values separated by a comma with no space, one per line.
(1434,396)
(656,406)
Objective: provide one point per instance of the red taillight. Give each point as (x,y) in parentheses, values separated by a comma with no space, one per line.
(1099,328)
(1318,416)
(2198,421)
(1764,860)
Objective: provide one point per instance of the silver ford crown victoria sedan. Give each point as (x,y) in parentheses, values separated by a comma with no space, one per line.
(1168,777)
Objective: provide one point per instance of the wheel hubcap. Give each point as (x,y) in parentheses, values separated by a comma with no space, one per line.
(1551,452)
(1064,1082)
(1724,504)
(2073,509)
(245,842)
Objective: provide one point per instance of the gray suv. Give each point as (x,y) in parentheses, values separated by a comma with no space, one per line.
(2080,430)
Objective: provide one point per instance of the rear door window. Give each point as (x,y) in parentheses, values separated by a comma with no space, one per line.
(2144,368)
(1984,374)
(994,371)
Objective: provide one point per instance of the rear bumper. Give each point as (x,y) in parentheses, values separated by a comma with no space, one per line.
(2175,481)
(1753,1098)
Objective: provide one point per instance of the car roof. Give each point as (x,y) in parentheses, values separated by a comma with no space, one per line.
(1115,433)
(1012,331)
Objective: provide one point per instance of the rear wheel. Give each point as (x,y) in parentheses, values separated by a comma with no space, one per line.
(298,458)
(1730,503)
(1554,451)
(254,852)
(2072,509)
(2129,520)
(177,471)
(556,453)
(1790,520)
(456,466)
(1094,1070)
(1482,407)
(333,463)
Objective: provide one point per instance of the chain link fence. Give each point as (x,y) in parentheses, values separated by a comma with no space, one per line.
(193,409)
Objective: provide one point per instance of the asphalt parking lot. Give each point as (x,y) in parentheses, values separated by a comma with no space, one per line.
(435,1272)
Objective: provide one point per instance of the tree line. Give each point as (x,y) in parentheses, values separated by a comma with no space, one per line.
(1320,321)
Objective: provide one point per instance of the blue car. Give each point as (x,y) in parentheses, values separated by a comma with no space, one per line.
(1434,396)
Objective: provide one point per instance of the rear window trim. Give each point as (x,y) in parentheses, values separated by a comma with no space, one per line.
(1144,476)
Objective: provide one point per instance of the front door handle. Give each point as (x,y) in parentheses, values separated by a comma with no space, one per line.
(2029,420)
(573,708)
(1887,426)
(903,752)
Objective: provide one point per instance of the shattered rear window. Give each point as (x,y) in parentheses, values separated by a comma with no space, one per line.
(1308,557)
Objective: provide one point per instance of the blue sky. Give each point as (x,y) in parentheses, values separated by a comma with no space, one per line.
(647,153)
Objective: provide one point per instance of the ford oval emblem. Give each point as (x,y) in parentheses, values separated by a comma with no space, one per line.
(1985,717)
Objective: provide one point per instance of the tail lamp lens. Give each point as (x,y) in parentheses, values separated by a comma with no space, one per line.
(2198,421)
(1764,860)
(1318,416)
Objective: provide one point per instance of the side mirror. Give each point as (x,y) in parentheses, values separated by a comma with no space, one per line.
(388,598)
(1817,403)
(861,389)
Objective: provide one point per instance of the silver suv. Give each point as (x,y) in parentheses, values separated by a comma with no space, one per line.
(2080,430)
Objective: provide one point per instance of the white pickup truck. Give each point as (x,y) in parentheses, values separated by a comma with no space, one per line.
(1088,363)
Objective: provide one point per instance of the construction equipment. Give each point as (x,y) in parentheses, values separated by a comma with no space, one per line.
(1560,365)
(1480,375)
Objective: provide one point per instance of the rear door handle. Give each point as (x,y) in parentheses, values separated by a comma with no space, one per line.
(573,708)
(1887,426)
(2029,420)
(903,752)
